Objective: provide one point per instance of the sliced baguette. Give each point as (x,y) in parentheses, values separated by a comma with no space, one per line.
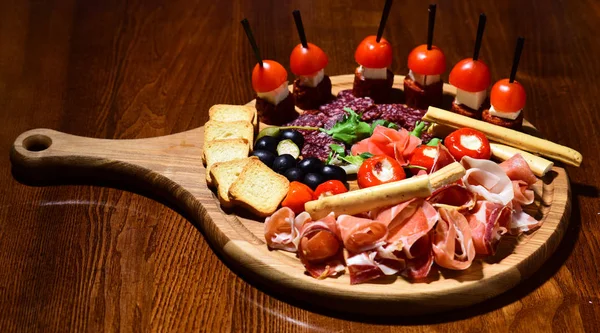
(259,189)
(222,151)
(223,174)
(221,130)
(227,112)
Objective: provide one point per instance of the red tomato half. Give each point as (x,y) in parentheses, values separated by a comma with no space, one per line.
(307,61)
(470,75)
(269,77)
(427,62)
(508,97)
(371,54)
(459,144)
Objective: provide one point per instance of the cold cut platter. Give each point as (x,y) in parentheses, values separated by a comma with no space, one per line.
(171,167)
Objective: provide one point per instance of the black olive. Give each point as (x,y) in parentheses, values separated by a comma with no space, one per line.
(331,172)
(268,143)
(265,156)
(347,185)
(313,180)
(295,136)
(294,174)
(311,164)
(283,162)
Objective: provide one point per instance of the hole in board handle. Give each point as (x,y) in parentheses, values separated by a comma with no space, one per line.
(37,142)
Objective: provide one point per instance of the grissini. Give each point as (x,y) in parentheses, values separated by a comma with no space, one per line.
(384,195)
(539,165)
(506,136)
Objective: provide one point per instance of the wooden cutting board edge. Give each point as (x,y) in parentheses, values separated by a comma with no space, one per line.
(163,164)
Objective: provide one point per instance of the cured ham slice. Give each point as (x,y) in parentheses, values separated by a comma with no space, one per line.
(407,222)
(398,144)
(521,221)
(488,180)
(523,195)
(516,168)
(488,223)
(320,249)
(422,258)
(282,229)
(452,242)
(453,197)
(442,158)
(361,234)
(372,264)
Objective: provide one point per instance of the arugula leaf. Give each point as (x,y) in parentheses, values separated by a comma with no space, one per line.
(356,159)
(350,129)
(434,142)
(384,123)
(419,127)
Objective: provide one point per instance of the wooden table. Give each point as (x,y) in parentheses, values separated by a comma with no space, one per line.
(91,258)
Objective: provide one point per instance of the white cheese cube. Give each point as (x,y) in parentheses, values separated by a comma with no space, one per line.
(471,99)
(424,80)
(373,73)
(505,115)
(276,96)
(312,80)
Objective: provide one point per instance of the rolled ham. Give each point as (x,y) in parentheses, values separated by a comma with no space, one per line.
(453,246)
(282,229)
(373,264)
(488,222)
(321,249)
(408,222)
(516,168)
(398,144)
(488,180)
(361,234)
(453,197)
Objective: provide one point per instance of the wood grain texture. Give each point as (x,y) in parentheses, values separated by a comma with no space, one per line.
(171,168)
(88,258)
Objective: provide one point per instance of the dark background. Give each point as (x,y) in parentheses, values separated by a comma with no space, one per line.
(88,258)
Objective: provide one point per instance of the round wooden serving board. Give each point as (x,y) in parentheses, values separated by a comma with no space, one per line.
(170,167)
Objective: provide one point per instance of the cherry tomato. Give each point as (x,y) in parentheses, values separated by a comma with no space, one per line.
(470,75)
(379,170)
(322,245)
(423,156)
(330,187)
(298,194)
(468,142)
(307,61)
(508,97)
(269,77)
(371,54)
(427,62)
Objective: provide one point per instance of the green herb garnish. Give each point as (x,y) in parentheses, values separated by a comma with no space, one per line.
(350,129)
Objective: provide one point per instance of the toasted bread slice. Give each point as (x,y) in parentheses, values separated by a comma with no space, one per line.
(223,174)
(228,112)
(222,151)
(221,130)
(259,189)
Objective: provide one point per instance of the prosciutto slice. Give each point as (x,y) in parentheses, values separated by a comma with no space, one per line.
(523,195)
(361,234)
(488,223)
(442,158)
(452,242)
(521,221)
(516,168)
(320,249)
(282,229)
(407,222)
(398,144)
(488,180)
(422,258)
(372,264)
(453,196)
